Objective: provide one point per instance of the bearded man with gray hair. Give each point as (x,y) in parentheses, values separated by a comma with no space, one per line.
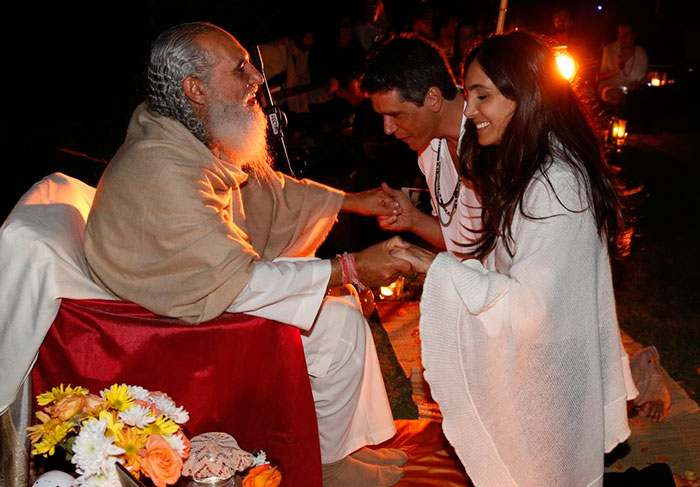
(189,221)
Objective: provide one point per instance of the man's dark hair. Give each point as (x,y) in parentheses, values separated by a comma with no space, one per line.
(410,65)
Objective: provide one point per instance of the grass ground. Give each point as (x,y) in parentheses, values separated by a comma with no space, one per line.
(658,285)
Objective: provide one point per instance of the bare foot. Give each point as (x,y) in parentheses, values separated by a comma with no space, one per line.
(380,456)
(654,411)
(349,472)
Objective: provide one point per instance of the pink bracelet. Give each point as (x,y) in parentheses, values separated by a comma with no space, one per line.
(348,270)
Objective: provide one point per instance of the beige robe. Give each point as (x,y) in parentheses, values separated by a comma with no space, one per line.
(183,234)
(177,230)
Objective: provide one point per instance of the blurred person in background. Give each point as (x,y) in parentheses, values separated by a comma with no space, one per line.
(623,66)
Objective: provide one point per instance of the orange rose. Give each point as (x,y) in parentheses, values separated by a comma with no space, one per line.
(160,462)
(67,407)
(263,476)
(91,402)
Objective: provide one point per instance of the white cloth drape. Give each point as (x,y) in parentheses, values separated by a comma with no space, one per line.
(41,261)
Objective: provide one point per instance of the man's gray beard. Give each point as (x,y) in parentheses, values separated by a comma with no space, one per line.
(239,134)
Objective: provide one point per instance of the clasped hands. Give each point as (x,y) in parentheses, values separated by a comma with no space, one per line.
(392,207)
(384,262)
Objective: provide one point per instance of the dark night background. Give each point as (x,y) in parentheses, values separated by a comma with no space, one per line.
(73,75)
(73,72)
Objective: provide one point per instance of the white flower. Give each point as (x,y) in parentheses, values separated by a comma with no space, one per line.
(108,478)
(168,407)
(137,415)
(176,443)
(92,481)
(92,450)
(260,458)
(99,480)
(139,393)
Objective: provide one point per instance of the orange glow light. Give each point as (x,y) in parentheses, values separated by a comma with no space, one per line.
(618,131)
(393,290)
(567,64)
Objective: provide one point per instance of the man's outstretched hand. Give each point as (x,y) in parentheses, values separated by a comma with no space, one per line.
(407,219)
(373,202)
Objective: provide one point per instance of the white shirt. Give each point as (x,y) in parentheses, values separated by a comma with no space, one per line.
(634,69)
(468,211)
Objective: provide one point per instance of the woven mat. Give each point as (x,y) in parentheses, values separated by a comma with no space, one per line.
(400,320)
(675,440)
(431,460)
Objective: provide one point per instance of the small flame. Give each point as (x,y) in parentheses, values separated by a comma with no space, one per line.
(392,289)
(619,128)
(385,291)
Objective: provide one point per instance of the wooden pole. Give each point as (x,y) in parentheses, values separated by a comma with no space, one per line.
(501,16)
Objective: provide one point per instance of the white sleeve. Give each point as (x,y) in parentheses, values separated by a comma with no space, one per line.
(553,257)
(289,290)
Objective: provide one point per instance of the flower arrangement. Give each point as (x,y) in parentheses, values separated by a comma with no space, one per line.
(126,424)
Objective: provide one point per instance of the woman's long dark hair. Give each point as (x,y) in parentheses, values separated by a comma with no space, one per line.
(524,70)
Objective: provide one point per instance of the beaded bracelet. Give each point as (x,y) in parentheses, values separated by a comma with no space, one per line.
(348,270)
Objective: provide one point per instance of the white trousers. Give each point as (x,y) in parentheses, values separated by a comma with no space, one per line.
(351,402)
(347,385)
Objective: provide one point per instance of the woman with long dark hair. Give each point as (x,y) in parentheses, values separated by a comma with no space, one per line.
(521,345)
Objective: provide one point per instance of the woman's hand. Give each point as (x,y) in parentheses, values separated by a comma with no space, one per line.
(420,258)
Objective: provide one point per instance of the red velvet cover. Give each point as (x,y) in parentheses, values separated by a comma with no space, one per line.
(239,374)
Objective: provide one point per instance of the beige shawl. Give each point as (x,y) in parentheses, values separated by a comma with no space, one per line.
(177,230)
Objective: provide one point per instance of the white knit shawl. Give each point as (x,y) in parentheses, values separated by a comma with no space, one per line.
(523,354)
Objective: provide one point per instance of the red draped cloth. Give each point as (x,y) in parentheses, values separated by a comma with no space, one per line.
(238,374)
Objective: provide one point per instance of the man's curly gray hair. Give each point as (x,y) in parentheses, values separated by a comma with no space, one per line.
(175,55)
